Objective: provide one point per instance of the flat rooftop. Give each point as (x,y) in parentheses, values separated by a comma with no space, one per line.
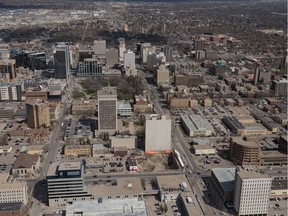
(120,186)
(112,207)
(64,166)
(172,181)
(195,122)
(251,174)
(226,177)
(107,92)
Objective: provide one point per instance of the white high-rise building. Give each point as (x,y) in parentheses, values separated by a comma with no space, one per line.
(157,133)
(129,59)
(251,192)
(122,49)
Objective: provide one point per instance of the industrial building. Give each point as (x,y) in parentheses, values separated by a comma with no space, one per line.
(266,121)
(252,191)
(157,133)
(222,180)
(107,110)
(195,125)
(89,68)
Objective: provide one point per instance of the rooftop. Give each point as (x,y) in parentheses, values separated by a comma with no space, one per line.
(226,177)
(64,166)
(195,122)
(251,174)
(112,207)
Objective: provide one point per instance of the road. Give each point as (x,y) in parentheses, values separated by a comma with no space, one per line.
(180,144)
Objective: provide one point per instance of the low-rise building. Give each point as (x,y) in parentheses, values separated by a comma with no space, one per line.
(195,125)
(77,150)
(26,165)
(204,149)
(101,150)
(266,121)
(124,108)
(207,102)
(35,149)
(83,107)
(11,209)
(171,186)
(8,110)
(127,141)
(179,102)
(119,207)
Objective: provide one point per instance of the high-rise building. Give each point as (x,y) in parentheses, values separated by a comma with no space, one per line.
(65,182)
(100,47)
(84,54)
(251,192)
(125,27)
(112,57)
(129,59)
(218,68)
(262,76)
(37,113)
(199,44)
(168,50)
(157,133)
(37,61)
(154,60)
(280,87)
(8,69)
(162,75)
(90,67)
(61,61)
(10,92)
(146,48)
(107,110)
(122,49)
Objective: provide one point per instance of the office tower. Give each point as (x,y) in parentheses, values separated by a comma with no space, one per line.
(262,76)
(61,61)
(146,48)
(199,44)
(100,47)
(218,68)
(37,113)
(251,192)
(138,48)
(168,50)
(112,57)
(280,87)
(157,133)
(65,183)
(90,67)
(7,66)
(129,59)
(122,49)
(37,61)
(162,75)
(10,92)
(154,60)
(107,110)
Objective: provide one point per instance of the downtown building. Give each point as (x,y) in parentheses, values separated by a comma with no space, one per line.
(89,68)
(251,192)
(38,113)
(65,183)
(61,61)
(10,92)
(107,110)
(157,134)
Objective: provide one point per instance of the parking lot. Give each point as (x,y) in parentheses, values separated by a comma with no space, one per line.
(277,207)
